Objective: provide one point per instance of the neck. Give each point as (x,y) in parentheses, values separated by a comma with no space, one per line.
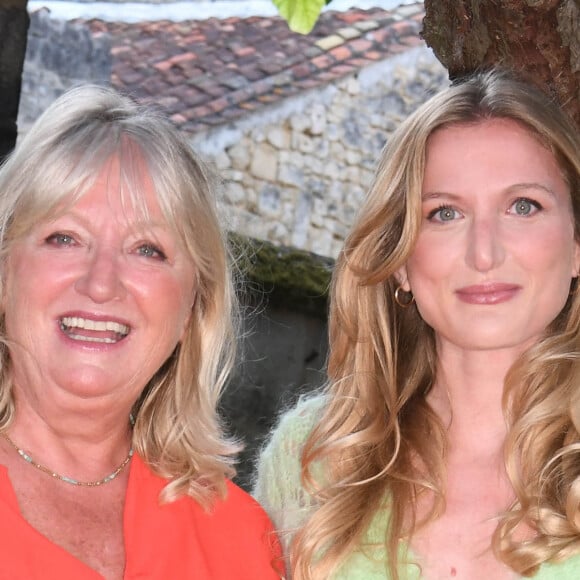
(467,395)
(84,445)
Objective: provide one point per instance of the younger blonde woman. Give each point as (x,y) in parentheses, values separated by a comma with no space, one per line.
(446,443)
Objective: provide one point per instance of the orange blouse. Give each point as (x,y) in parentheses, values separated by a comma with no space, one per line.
(173,541)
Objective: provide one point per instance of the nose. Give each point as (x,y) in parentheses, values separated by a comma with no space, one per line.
(102,279)
(485,248)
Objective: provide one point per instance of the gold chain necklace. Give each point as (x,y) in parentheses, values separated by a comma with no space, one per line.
(64,478)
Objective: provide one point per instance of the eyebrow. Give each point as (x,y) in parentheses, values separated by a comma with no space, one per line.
(511,189)
(136,226)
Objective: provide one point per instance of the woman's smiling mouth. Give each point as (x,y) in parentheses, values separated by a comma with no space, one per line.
(87,330)
(493,293)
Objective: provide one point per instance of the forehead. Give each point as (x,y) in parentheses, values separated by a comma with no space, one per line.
(491,153)
(486,133)
(123,189)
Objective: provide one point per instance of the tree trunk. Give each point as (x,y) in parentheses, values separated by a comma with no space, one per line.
(539,37)
(13,33)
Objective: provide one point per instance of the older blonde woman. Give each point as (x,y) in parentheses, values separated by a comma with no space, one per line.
(447,442)
(117,331)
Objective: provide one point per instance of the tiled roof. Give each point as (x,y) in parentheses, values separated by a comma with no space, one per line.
(205,73)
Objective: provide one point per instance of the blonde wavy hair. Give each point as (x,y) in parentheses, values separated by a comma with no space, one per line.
(378,439)
(177,430)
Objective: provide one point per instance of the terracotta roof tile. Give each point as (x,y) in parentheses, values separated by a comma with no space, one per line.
(208,72)
(341,52)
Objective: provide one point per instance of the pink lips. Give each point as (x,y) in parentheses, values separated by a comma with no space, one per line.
(490,293)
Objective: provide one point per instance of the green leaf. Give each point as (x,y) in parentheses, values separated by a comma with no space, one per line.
(301,15)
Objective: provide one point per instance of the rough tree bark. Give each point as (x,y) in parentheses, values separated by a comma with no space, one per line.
(14,22)
(539,37)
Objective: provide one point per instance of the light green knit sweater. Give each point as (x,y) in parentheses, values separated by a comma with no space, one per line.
(279,490)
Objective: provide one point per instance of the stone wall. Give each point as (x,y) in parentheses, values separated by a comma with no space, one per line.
(296,173)
(59,55)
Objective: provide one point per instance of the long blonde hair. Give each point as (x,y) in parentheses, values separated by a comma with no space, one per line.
(177,430)
(378,439)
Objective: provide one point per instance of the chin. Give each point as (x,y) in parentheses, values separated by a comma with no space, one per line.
(89,382)
(498,341)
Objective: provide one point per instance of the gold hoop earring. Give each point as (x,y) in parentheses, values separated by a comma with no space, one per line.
(408,297)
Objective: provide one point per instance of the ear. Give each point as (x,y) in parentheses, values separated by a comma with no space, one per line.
(576,267)
(403,278)
(187,319)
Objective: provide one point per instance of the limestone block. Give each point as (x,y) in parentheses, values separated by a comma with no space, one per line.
(264,163)
(338,151)
(317,187)
(332,133)
(320,241)
(340,230)
(302,220)
(234,193)
(317,119)
(332,169)
(234,175)
(353,86)
(222,161)
(383,121)
(279,137)
(332,211)
(299,123)
(296,158)
(251,188)
(290,202)
(355,196)
(353,157)
(278,232)
(321,148)
(245,222)
(314,165)
(366,178)
(349,213)
(334,117)
(291,175)
(269,200)
(240,155)
(353,174)
(376,143)
(319,212)
(335,248)
(257,136)
(369,162)
(342,172)
(335,192)
(303,143)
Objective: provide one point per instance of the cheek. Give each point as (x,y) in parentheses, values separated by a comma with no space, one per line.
(431,262)
(552,252)
(170,303)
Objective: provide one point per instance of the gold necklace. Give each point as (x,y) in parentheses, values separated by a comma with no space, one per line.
(65,478)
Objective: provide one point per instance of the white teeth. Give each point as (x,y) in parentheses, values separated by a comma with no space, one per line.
(92,339)
(98,325)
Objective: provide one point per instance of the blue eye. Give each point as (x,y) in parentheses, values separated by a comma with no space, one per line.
(525,207)
(443,213)
(151,251)
(59,239)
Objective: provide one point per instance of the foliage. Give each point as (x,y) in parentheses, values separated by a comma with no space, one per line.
(301,15)
(285,277)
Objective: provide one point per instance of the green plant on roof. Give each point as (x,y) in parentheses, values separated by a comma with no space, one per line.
(301,15)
